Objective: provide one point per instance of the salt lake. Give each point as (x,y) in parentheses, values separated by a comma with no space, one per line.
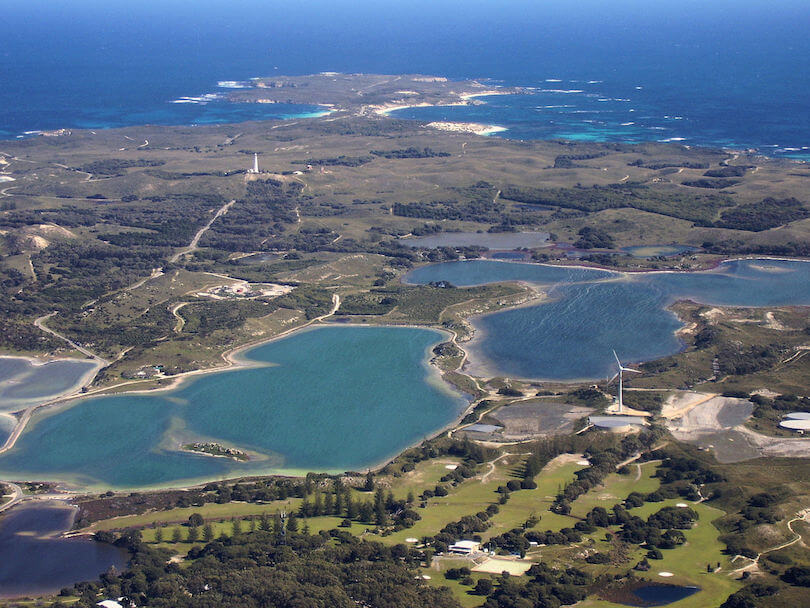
(590,312)
(327,399)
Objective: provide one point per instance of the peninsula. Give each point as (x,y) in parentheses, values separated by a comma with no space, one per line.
(327,294)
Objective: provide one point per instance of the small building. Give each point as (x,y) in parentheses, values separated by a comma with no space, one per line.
(465,547)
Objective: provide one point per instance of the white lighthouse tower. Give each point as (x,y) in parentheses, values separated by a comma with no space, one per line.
(255,168)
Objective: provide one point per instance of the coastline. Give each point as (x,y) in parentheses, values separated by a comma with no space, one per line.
(72,486)
(475,365)
(72,389)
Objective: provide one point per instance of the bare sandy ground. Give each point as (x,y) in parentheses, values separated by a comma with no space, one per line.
(717,424)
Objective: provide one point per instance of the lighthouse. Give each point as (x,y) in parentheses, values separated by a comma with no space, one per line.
(255,168)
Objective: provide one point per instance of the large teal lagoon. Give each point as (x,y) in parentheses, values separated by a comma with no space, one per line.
(326,399)
(590,312)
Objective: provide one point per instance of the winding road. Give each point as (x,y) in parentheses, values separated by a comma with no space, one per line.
(40,323)
(800,516)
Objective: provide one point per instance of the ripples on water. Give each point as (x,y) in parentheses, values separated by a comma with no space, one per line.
(592,312)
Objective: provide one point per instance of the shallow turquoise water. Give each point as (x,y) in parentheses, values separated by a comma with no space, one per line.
(592,312)
(327,399)
(23,384)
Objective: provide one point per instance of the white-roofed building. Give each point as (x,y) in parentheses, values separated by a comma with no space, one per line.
(465,547)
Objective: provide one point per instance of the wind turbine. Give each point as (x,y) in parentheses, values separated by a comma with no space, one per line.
(619,374)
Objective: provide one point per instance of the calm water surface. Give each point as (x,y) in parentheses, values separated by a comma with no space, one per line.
(327,399)
(37,561)
(591,312)
(23,383)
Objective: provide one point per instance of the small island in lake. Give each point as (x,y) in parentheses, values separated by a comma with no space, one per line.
(215,449)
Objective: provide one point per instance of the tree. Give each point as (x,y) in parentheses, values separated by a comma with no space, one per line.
(369,485)
(177,536)
(192,534)
(484,586)
(208,533)
(264,522)
(159,535)
(195,520)
(292,523)
(351,507)
(236,524)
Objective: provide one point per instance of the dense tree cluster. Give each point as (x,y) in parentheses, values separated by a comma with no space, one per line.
(699,209)
(268,568)
(763,215)
(116,166)
(410,152)
(593,238)
(546,588)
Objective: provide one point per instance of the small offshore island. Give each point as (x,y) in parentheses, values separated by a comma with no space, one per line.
(215,449)
(356,333)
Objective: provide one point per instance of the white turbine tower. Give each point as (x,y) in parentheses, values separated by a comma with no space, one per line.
(619,374)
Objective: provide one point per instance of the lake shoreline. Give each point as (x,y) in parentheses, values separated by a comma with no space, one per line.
(72,486)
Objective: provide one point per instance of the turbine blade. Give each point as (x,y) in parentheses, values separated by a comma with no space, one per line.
(617,358)
(616,375)
(635,371)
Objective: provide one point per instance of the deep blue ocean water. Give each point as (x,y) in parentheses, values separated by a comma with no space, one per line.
(723,74)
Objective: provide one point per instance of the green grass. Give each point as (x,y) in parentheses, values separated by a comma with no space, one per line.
(461,592)
(616,488)
(208,511)
(686,562)
(523,503)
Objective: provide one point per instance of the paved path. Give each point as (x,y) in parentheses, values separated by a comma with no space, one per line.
(492,467)
(40,323)
(17,495)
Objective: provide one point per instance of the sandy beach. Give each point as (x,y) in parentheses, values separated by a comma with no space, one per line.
(466,127)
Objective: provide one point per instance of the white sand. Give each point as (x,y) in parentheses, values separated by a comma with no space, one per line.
(466,127)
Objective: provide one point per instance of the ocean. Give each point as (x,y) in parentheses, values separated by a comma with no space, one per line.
(731,74)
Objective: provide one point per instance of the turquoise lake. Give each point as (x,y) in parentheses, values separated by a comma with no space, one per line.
(325,399)
(592,312)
